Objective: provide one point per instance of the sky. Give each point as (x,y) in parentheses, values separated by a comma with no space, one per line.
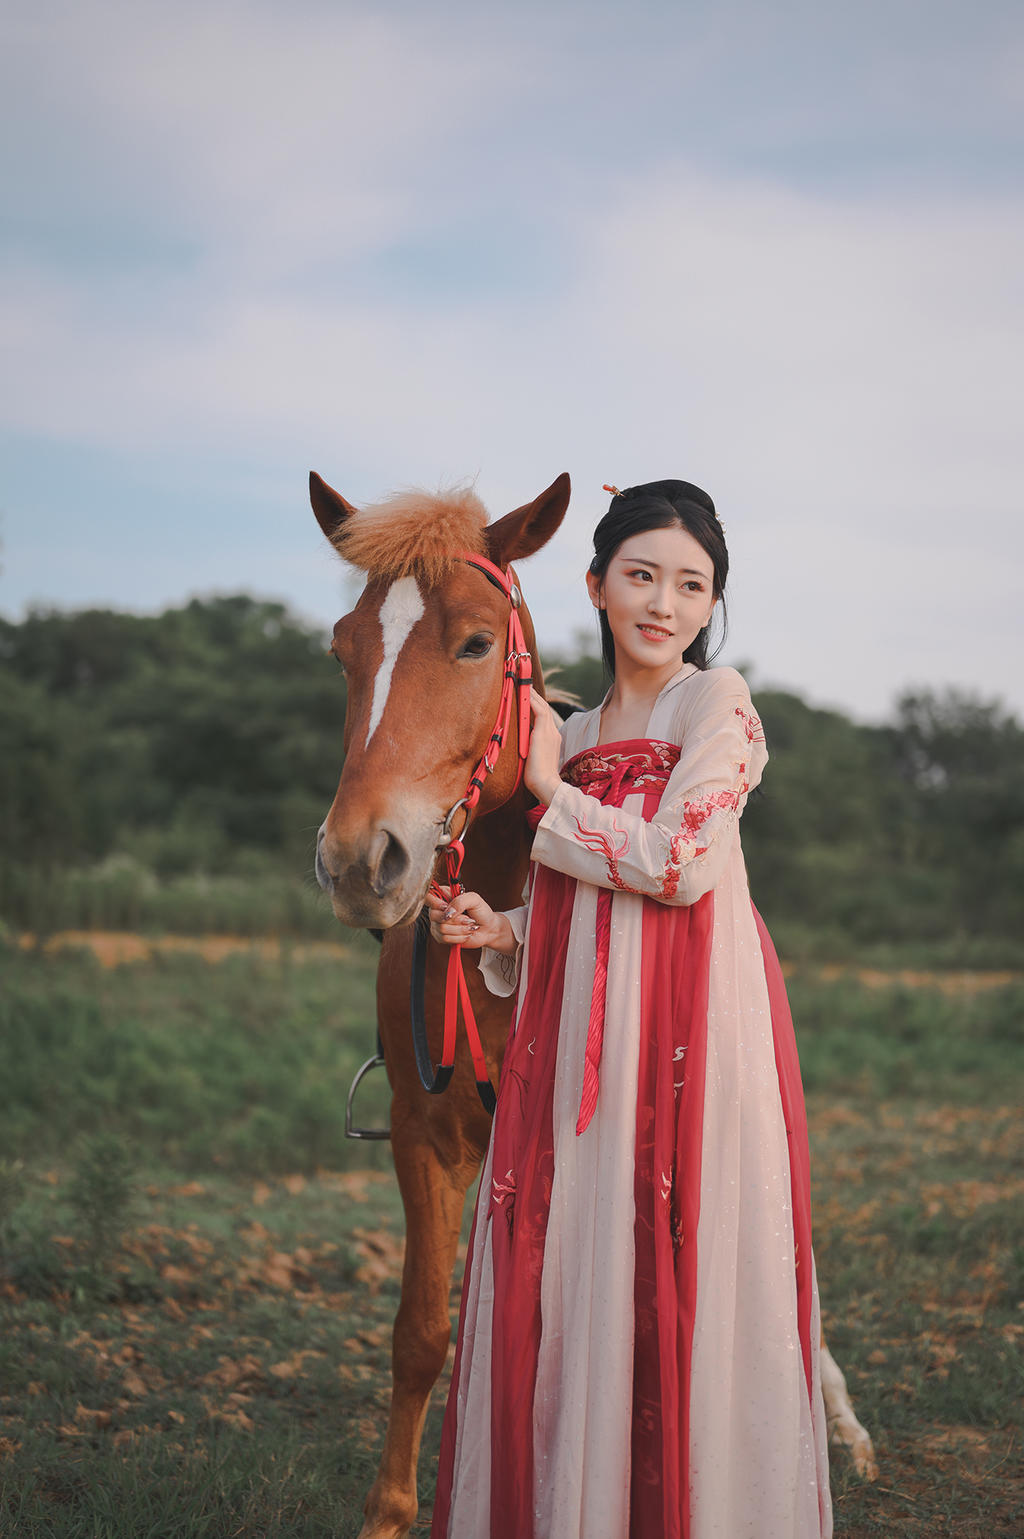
(775,249)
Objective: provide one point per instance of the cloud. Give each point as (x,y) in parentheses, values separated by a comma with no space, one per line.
(402,248)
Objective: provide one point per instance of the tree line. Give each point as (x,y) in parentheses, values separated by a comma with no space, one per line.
(209,739)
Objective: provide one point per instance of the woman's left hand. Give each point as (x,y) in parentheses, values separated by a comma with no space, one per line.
(541,773)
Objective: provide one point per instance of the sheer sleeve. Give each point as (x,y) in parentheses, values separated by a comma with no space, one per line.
(501,971)
(680,854)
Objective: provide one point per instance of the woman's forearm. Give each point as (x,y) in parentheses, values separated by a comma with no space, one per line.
(503,937)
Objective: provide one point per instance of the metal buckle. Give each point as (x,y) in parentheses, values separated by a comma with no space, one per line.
(446,826)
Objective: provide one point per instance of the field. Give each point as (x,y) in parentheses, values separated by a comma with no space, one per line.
(198,1273)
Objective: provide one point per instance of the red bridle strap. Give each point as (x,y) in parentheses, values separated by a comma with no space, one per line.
(515,690)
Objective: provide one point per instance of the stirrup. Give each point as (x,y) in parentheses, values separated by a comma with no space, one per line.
(376,1062)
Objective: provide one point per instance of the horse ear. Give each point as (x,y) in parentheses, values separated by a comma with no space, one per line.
(527,529)
(330,507)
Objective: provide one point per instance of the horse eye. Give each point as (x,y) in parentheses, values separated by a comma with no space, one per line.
(476,646)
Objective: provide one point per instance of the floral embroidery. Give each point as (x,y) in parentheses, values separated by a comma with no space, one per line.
(508,967)
(671,1196)
(503,1195)
(503,1189)
(610,776)
(594,770)
(751,725)
(601,844)
(695,815)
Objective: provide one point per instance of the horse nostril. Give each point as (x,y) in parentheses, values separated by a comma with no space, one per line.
(388,863)
(324,877)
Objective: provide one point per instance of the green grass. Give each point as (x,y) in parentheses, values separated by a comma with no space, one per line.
(255,897)
(242,1065)
(901,1041)
(197,1280)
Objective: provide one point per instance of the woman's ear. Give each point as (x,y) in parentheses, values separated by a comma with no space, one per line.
(594,589)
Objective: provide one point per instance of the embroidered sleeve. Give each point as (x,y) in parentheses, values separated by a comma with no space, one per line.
(501,972)
(680,854)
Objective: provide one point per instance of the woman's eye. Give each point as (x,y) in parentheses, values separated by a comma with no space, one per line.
(476,646)
(641,572)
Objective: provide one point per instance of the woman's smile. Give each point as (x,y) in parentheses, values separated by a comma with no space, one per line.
(657,594)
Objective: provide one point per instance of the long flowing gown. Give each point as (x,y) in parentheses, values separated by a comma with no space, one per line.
(638,1342)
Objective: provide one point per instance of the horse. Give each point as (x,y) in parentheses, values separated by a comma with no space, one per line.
(425,659)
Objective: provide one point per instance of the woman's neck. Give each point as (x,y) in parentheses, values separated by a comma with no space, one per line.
(627,710)
(634,687)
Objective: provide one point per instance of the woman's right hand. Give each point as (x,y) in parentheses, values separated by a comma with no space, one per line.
(466,920)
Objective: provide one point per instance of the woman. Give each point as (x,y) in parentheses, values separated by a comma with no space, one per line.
(638,1342)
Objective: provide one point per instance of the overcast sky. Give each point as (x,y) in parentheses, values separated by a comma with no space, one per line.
(774,249)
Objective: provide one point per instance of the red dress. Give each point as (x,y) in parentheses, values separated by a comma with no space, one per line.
(637,1353)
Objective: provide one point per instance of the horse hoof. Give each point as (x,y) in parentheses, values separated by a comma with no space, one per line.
(857,1441)
(392,1525)
(374,1530)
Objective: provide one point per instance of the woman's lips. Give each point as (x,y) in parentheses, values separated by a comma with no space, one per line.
(654,632)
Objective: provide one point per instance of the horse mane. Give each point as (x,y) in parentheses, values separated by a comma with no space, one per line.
(413,533)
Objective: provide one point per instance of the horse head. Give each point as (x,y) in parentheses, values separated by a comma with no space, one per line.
(424,655)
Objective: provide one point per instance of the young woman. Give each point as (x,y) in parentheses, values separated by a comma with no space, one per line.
(638,1343)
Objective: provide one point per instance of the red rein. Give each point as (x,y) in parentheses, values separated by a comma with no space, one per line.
(516,683)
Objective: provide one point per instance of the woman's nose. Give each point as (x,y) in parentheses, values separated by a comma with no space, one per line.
(659,602)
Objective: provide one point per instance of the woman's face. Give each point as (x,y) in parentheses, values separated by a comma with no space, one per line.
(658,592)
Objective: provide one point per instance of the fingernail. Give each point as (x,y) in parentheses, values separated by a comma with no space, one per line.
(448,913)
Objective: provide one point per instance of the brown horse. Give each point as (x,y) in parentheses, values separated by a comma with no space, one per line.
(424,652)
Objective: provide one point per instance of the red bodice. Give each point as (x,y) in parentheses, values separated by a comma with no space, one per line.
(610,773)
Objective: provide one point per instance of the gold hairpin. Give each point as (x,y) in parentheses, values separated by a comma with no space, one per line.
(613,489)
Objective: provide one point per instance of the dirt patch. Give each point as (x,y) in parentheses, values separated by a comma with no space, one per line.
(952,984)
(115,948)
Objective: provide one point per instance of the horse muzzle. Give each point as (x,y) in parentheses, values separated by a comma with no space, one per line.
(377,881)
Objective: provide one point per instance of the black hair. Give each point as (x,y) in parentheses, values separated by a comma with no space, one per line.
(664,505)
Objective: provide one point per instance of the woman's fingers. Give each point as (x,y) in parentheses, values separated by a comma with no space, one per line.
(452,921)
(538,705)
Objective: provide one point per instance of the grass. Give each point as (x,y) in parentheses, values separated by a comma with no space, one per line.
(240,1066)
(232,1379)
(197,1280)
(258,897)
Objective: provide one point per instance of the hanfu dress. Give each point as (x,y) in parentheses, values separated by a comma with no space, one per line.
(638,1343)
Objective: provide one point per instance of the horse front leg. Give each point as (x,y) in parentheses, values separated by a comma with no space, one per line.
(433,1195)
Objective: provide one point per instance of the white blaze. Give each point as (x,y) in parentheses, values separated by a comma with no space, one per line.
(402,607)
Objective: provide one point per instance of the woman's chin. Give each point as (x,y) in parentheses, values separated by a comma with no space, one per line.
(646,652)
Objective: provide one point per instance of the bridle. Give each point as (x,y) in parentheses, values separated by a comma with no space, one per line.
(516,682)
(515,695)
